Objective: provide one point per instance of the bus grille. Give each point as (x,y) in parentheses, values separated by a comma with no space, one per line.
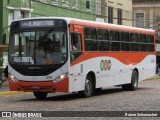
(41,88)
(35,72)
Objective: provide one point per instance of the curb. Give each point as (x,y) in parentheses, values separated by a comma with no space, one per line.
(154,78)
(12,93)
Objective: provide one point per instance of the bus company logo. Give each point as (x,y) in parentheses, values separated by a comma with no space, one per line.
(34,68)
(105,65)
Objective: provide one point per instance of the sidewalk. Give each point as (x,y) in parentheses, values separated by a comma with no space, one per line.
(4,89)
(155,77)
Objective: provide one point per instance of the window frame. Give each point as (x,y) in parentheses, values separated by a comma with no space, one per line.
(150,43)
(115,41)
(143,43)
(90,38)
(126,41)
(119,16)
(65,3)
(75,4)
(104,38)
(44,1)
(88,5)
(76,51)
(110,14)
(54,2)
(139,21)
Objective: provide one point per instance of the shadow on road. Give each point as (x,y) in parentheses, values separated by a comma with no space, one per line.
(74,96)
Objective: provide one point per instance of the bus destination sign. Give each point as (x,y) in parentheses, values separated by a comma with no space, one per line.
(37,23)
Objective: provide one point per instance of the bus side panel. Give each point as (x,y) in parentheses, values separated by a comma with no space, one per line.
(112,73)
(147,67)
(105,75)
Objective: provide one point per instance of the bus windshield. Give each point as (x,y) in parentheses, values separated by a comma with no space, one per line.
(38,47)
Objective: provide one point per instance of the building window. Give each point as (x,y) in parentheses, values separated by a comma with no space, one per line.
(65,2)
(26,2)
(55,2)
(22,14)
(139,17)
(10,17)
(98,7)
(88,4)
(119,20)
(75,4)
(158,33)
(44,1)
(110,14)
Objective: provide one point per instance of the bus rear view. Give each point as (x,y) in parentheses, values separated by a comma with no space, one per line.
(38,56)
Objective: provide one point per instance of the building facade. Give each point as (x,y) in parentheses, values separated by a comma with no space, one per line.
(114,11)
(15,9)
(146,14)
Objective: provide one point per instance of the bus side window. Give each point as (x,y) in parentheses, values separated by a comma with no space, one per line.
(143,43)
(103,40)
(134,42)
(125,42)
(114,40)
(150,42)
(76,46)
(91,43)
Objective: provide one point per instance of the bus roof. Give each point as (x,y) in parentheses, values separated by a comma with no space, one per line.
(89,22)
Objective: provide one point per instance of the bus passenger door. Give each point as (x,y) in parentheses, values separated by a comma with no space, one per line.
(75,53)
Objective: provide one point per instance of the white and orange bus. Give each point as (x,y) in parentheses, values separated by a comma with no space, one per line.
(57,54)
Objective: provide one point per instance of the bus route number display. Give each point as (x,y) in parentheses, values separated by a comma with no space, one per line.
(37,23)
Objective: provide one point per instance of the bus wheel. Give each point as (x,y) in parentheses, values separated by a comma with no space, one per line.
(134,82)
(89,87)
(40,95)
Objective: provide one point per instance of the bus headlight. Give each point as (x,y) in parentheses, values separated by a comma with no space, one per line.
(12,77)
(60,78)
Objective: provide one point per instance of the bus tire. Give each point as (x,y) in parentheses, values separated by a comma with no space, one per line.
(134,82)
(40,95)
(89,87)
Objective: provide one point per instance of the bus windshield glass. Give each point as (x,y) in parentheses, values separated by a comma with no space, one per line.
(38,47)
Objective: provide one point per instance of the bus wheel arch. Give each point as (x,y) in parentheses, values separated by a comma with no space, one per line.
(134,81)
(137,72)
(92,74)
(89,87)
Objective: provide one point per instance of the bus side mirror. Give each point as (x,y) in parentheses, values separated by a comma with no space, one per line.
(4,39)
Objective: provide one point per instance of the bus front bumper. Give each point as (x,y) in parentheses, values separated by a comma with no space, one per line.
(36,86)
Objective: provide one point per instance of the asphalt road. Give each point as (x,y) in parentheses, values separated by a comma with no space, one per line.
(146,98)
